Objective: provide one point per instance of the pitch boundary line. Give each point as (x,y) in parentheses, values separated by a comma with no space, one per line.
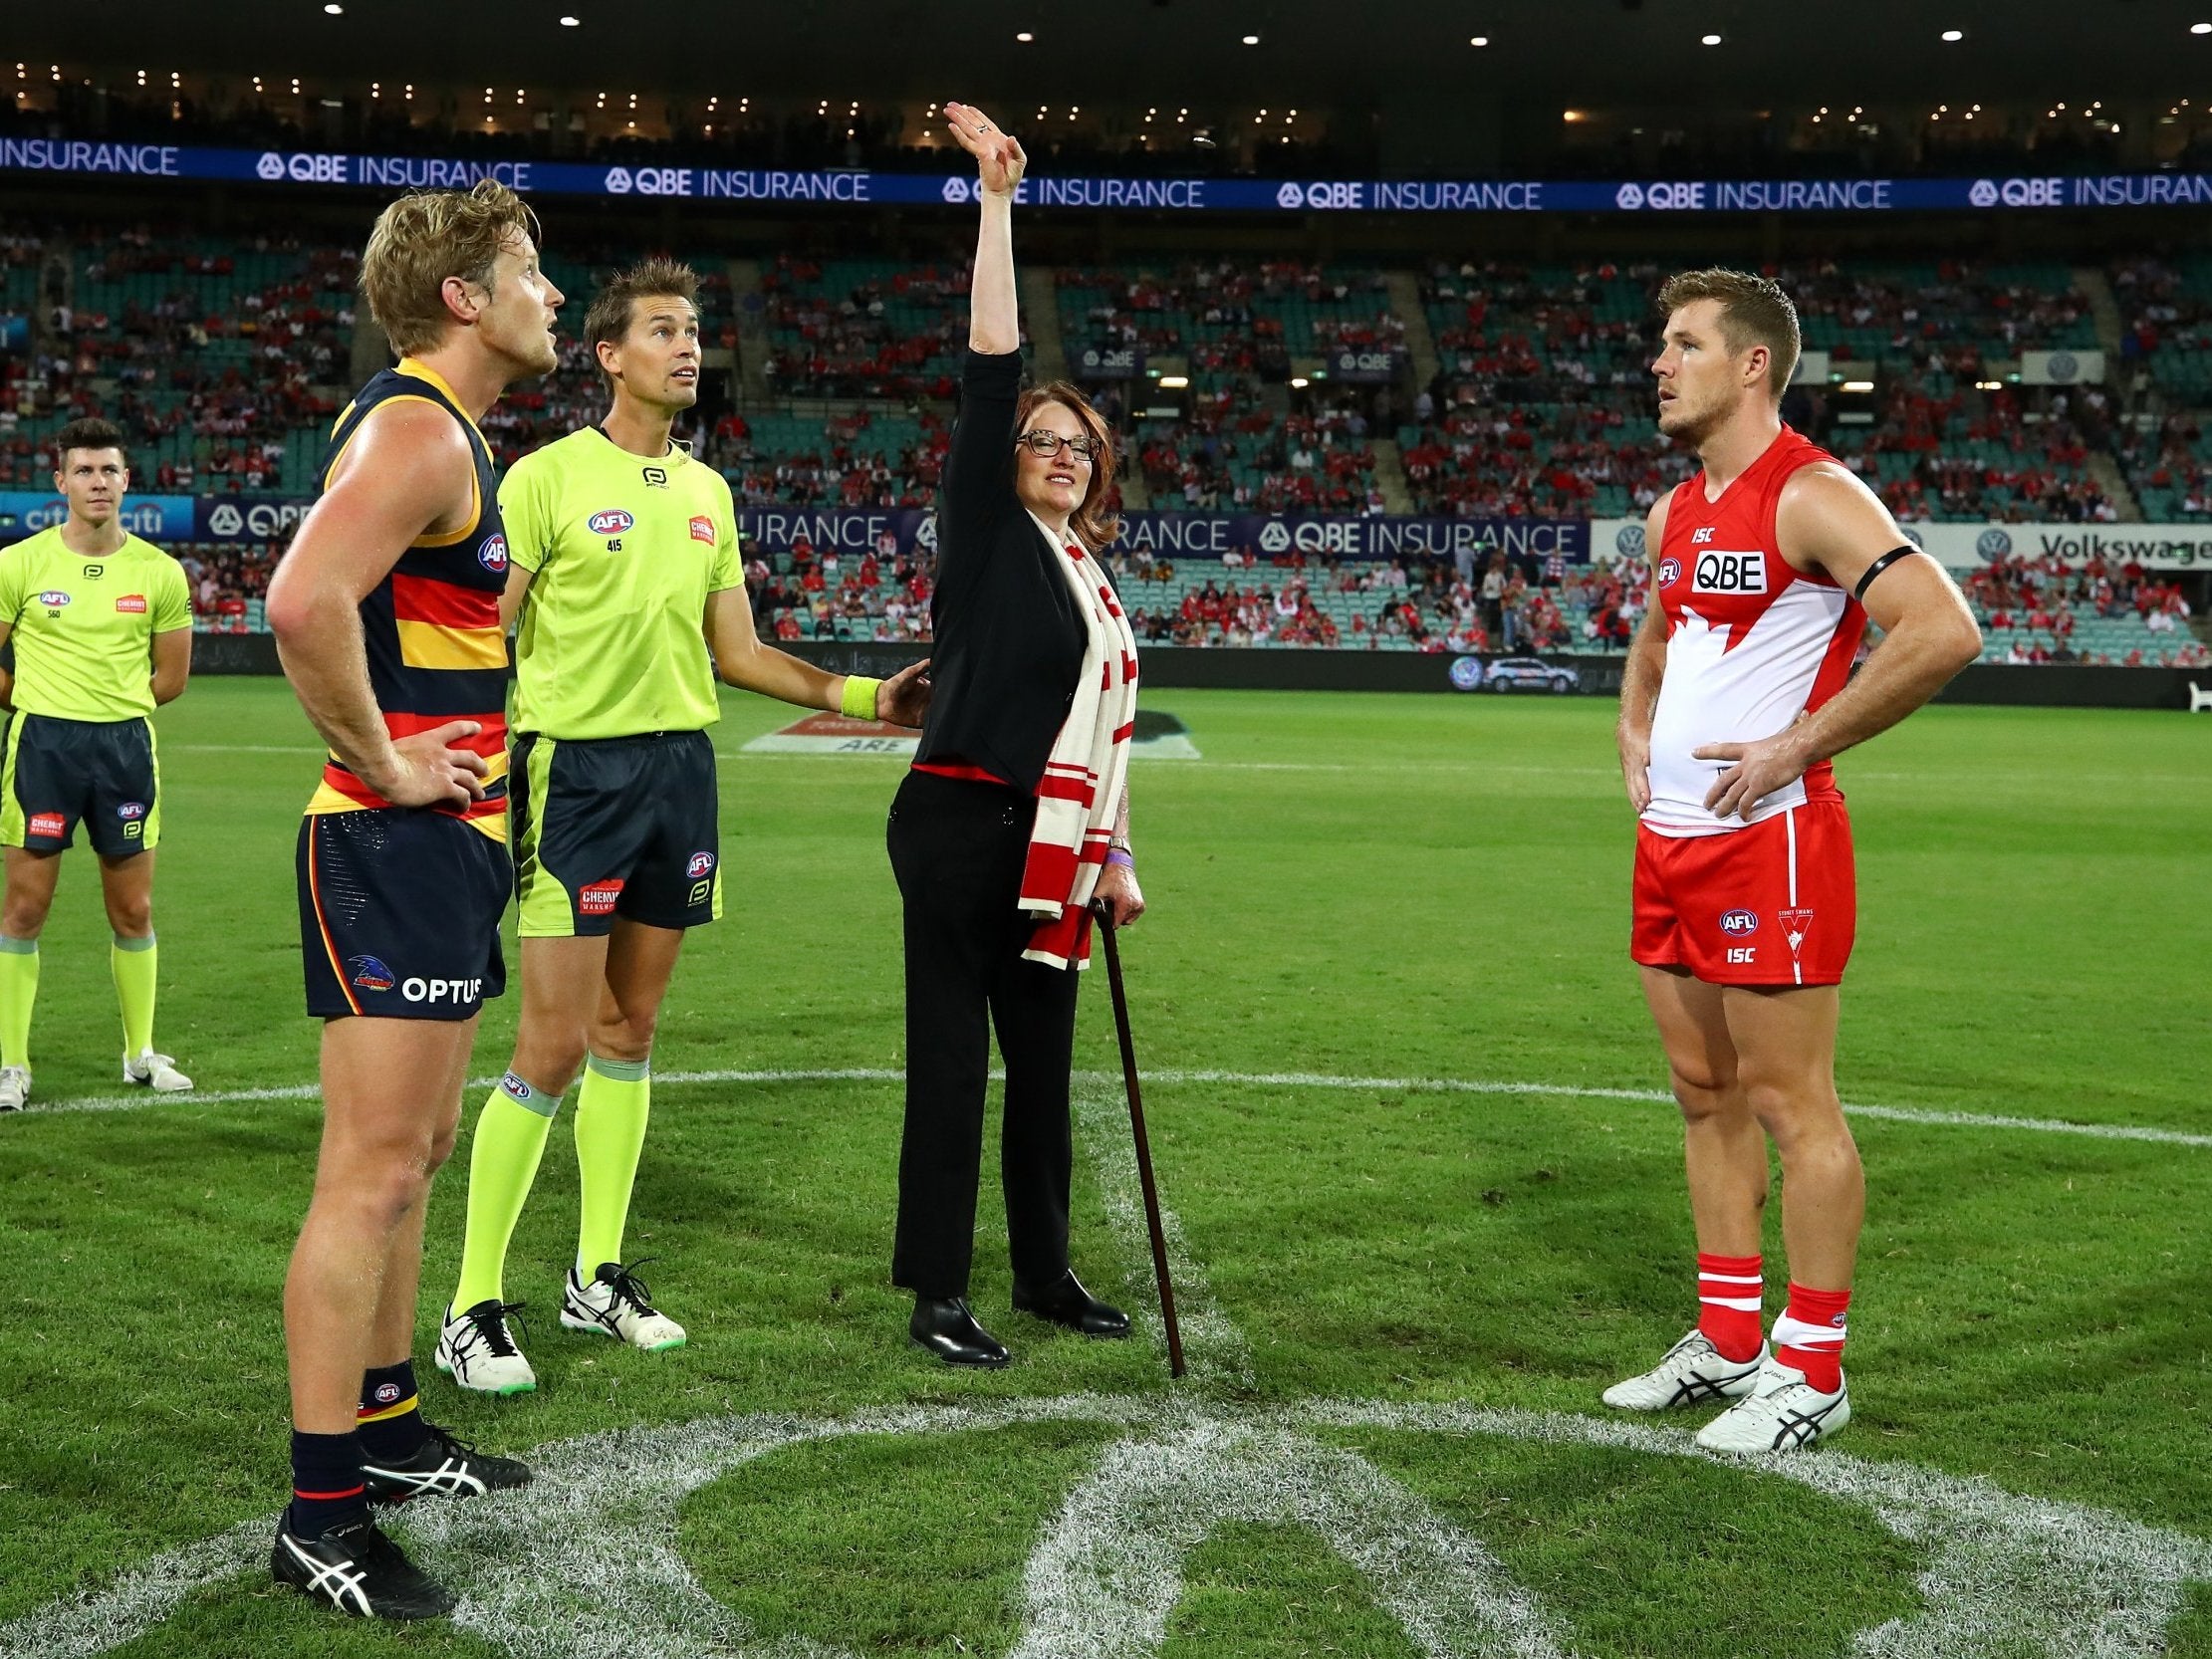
(1926,1116)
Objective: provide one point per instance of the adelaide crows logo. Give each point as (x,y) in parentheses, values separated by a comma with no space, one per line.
(370,974)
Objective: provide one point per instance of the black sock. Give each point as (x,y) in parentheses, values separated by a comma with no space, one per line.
(325,1484)
(390,1423)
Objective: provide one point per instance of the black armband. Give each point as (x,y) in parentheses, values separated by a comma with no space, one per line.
(1881,564)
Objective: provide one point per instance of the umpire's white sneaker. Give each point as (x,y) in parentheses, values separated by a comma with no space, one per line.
(14,1086)
(1781,1413)
(1692,1373)
(616,1303)
(476,1349)
(146,1066)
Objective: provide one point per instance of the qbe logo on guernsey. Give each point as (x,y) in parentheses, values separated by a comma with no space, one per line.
(1730,572)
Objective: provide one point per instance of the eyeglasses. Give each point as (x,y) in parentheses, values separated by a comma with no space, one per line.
(1049,444)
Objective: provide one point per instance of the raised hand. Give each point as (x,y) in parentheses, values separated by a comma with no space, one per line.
(999,160)
(428,771)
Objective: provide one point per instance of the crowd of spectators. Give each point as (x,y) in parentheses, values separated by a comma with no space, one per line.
(845,462)
(884,333)
(2031,608)
(805,592)
(1482,604)
(1969,456)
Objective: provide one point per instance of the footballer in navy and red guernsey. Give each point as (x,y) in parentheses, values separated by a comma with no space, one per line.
(1737,694)
(386,611)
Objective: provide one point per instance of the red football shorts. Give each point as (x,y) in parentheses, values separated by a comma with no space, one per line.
(1774,905)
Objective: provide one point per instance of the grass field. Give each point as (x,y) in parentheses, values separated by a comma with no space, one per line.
(1410,891)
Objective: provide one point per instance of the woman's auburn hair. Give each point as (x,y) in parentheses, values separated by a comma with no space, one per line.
(1095,527)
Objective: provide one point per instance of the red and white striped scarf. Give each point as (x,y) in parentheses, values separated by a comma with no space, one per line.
(1081,788)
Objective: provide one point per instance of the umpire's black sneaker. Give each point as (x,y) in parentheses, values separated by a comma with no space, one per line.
(354,1569)
(441,1467)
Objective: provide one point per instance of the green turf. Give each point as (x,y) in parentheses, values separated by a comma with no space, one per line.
(1392,887)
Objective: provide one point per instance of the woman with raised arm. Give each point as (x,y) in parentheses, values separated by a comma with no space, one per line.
(1015,818)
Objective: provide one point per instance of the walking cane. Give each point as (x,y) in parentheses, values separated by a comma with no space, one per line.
(1144,1146)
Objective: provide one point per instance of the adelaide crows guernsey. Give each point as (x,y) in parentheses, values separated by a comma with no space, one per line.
(1751,641)
(435,648)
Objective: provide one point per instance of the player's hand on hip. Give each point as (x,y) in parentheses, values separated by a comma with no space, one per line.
(430,772)
(1118,896)
(1760,769)
(903,699)
(1635,766)
(999,160)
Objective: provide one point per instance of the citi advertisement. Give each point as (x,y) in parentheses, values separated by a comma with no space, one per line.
(155,518)
(842,186)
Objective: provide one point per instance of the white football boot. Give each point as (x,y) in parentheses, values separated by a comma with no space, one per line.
(476,1349)
(1692,1373)
(616,1304)
(1781,1413)
(146,1066)
(14,1086)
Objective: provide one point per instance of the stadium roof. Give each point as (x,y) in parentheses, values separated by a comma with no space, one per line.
(1329,53)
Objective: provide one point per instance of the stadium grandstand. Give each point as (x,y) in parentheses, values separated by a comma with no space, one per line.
(1486,393)
(2043,375)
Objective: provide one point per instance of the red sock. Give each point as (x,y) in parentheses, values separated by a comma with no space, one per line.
(1810,1335)
(1728,1310)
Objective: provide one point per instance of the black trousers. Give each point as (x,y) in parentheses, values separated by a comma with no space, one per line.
(957,849)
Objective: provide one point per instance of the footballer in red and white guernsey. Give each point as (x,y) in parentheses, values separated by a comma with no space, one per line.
(1737,692)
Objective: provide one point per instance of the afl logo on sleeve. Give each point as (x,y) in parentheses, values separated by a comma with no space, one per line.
(1729,572)
(493,554)
(611,521)
(1670,572)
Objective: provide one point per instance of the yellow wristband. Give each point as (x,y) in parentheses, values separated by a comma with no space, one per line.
(859,699)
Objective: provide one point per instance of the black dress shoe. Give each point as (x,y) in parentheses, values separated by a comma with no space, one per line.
(1066,1302)
(948,1330)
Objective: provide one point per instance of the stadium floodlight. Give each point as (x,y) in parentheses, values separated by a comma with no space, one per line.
(1858,386)
(572,22)
(1954,34)
(1024,37)
(1479,40)
(2200,28)
(1174,382)
(1252,40)
(1711,40)
(334,9)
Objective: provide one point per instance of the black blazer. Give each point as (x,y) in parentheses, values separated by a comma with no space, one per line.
(1009,640)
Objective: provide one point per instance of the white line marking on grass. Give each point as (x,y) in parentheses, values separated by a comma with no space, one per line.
(2006,1575)
(1213,1348)
(1926,1116)
(1105,1578)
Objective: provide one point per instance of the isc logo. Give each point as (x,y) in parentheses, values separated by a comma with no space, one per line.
(1743,955)
(1730,572)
